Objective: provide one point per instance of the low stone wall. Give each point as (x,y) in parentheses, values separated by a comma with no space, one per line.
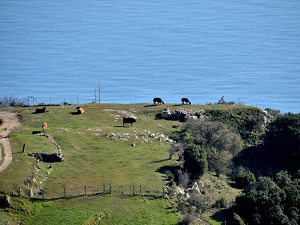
(51,157)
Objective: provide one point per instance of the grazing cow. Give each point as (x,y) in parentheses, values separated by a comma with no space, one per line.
(185,100)
(79,110)
(44,127)
(158,100)
(128,120)
(42,110)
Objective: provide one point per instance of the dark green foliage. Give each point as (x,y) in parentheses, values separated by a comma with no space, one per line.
(221,203)
(283,141)
(195,161)
(249,122)
(291,188)
(219,141)
(170,175)
(212,134)
(243,178)
(268,202)
(220,162)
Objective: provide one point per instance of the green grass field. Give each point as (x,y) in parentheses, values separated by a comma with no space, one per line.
(92,159)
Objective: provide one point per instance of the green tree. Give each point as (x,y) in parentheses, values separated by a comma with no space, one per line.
(260,202)
(243,178)
(268,202)
(283,141)
(219,141)
(220,162)
(195,161)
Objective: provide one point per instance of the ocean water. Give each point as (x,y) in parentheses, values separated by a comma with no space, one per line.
(131,51)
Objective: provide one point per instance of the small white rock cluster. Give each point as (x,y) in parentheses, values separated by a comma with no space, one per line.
(117,117)
(183,115)
(143,138)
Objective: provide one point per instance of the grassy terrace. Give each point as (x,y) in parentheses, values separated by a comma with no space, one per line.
(93,160)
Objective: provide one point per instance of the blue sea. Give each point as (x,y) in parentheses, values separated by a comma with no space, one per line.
(131,51)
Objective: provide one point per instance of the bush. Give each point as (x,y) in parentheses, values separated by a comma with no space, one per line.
(195,161)
(244,178)
(170,175)
(221,203)
(268,202)
(11,102)
(183,178)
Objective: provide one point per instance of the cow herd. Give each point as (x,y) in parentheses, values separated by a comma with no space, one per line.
(126,120)
(160,101)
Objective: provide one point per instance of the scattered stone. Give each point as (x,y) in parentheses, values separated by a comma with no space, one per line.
(183,115)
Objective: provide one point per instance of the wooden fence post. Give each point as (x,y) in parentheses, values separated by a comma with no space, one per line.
(65,193)
(84,190)
(23,150)
(133,189)
(104,188)
(19,191)
(110,187)
(122,190)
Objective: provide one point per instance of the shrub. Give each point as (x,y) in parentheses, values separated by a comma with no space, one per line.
(183,178)
(11,102)
(195,161)
(244,178)
(170,175)
(221,203)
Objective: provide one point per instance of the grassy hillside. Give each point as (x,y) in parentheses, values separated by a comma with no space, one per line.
(98,151)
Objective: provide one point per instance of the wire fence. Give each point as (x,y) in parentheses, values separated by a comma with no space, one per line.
(72,192)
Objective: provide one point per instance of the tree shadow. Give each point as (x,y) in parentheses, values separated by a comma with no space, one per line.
(38,112)
(225,216)
(150,105)
(36,132)
(257,160)
(158,161)
(164,169)
(74,113)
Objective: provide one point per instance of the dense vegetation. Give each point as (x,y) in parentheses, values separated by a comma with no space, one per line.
(230,142)
(257,150)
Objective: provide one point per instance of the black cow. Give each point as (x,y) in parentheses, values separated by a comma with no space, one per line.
(185,100)
(42,110)
(158,100)
(128,120)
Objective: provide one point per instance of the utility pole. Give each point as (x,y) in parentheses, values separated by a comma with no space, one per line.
(99,91)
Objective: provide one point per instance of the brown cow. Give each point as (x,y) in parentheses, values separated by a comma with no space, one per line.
(80,110)
(44,127)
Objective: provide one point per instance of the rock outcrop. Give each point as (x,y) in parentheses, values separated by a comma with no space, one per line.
(182,115)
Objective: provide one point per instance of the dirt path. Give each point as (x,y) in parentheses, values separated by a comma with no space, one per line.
(8,122)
